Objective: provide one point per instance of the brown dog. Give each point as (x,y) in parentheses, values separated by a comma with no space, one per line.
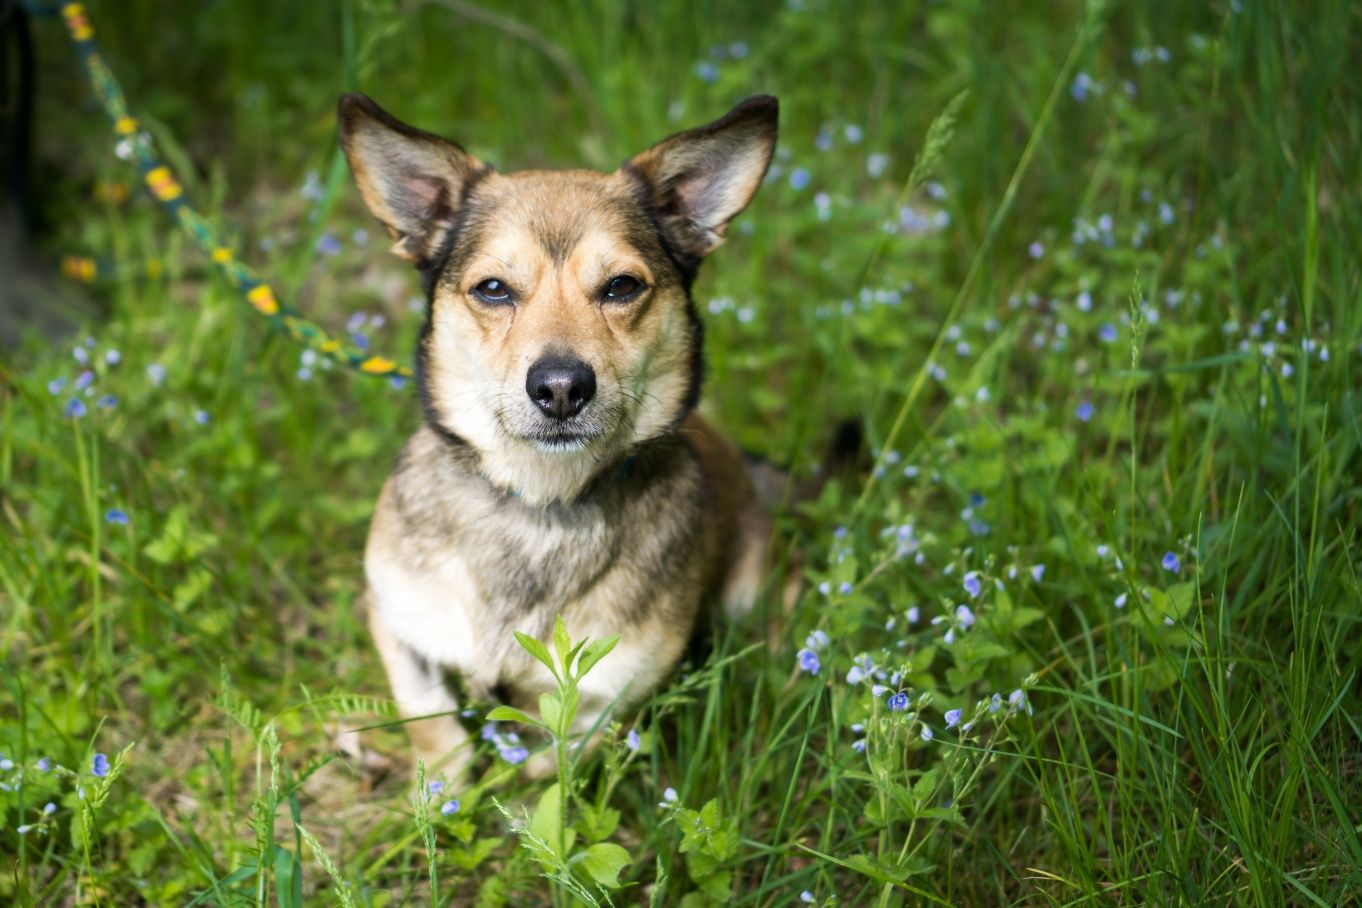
(562,468)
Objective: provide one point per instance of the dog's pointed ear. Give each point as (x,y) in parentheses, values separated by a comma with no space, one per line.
(700,179)
(411,180)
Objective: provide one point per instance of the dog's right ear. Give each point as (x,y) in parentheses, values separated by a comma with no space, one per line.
(411,180)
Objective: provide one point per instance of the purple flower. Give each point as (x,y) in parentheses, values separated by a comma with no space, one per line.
(914,614)
(808,661)
(707,72)
(327,244)
(201,417)
(1084,411)
(514,755)
(668,797)
(844,588)
(806,896)
(861,670)
(972,584)
(1036,249)
(84,380)
(74,409)
(800,178)
(1107,333)
(107,402)
(964,616)
(1037,572)
(926,733)
(55,386)
(489,731)
(44,764)
(116,516)
(1120,601)
(100,765)
(435,787)
(450,807)
(816,640)
(898,702)
(631,740)
(1171,562)
(952,718)
(113,357)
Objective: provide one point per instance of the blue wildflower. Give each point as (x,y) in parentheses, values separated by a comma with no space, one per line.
(972,584)
(84,380)
(668,797)
(55,386)
(816,640)
(926,733)
(806,896)
(914,614)
(844,588)
(952,718)
(435,787)
(49,808)
(1171,562)
(157,373)
(514,755)
(808,661)
(116,516)
(1121,600)
(489,731)
(328,244)
(74,409)
(201,417)
(107,402)
(964,615)
(898,702)
(113,357)
(707,71)
(800,178)
(1107,333)
(6,764)
(44,764)
(398,381)
(1084,411)
(1036,249)
(100,765)
(450,807)
(632,741)
(1037,572)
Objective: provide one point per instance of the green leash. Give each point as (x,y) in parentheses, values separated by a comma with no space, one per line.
(136,144)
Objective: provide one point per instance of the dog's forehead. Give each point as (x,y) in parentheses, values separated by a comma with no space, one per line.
(557,210)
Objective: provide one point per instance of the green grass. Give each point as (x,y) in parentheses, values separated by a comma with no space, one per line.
(1201,744)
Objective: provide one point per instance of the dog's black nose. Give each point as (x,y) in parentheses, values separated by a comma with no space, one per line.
(560,386)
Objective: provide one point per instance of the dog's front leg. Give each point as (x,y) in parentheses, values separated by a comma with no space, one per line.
(425,699)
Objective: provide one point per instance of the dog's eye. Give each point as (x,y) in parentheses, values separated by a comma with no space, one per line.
(623,287)
(493,291)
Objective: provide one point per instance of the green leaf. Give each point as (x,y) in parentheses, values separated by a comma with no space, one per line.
(603,863)
(598,823)
(561,642)
(595,652)
(511,714)
(546,824)
(536,649)
(718,887)
(550,709)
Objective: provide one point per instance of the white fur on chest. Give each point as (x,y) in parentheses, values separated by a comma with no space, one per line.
(429,612)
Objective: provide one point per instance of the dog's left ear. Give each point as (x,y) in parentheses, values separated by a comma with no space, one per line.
(411,180)
(702,178)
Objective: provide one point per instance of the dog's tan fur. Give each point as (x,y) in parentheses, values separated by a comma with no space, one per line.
(626,518)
